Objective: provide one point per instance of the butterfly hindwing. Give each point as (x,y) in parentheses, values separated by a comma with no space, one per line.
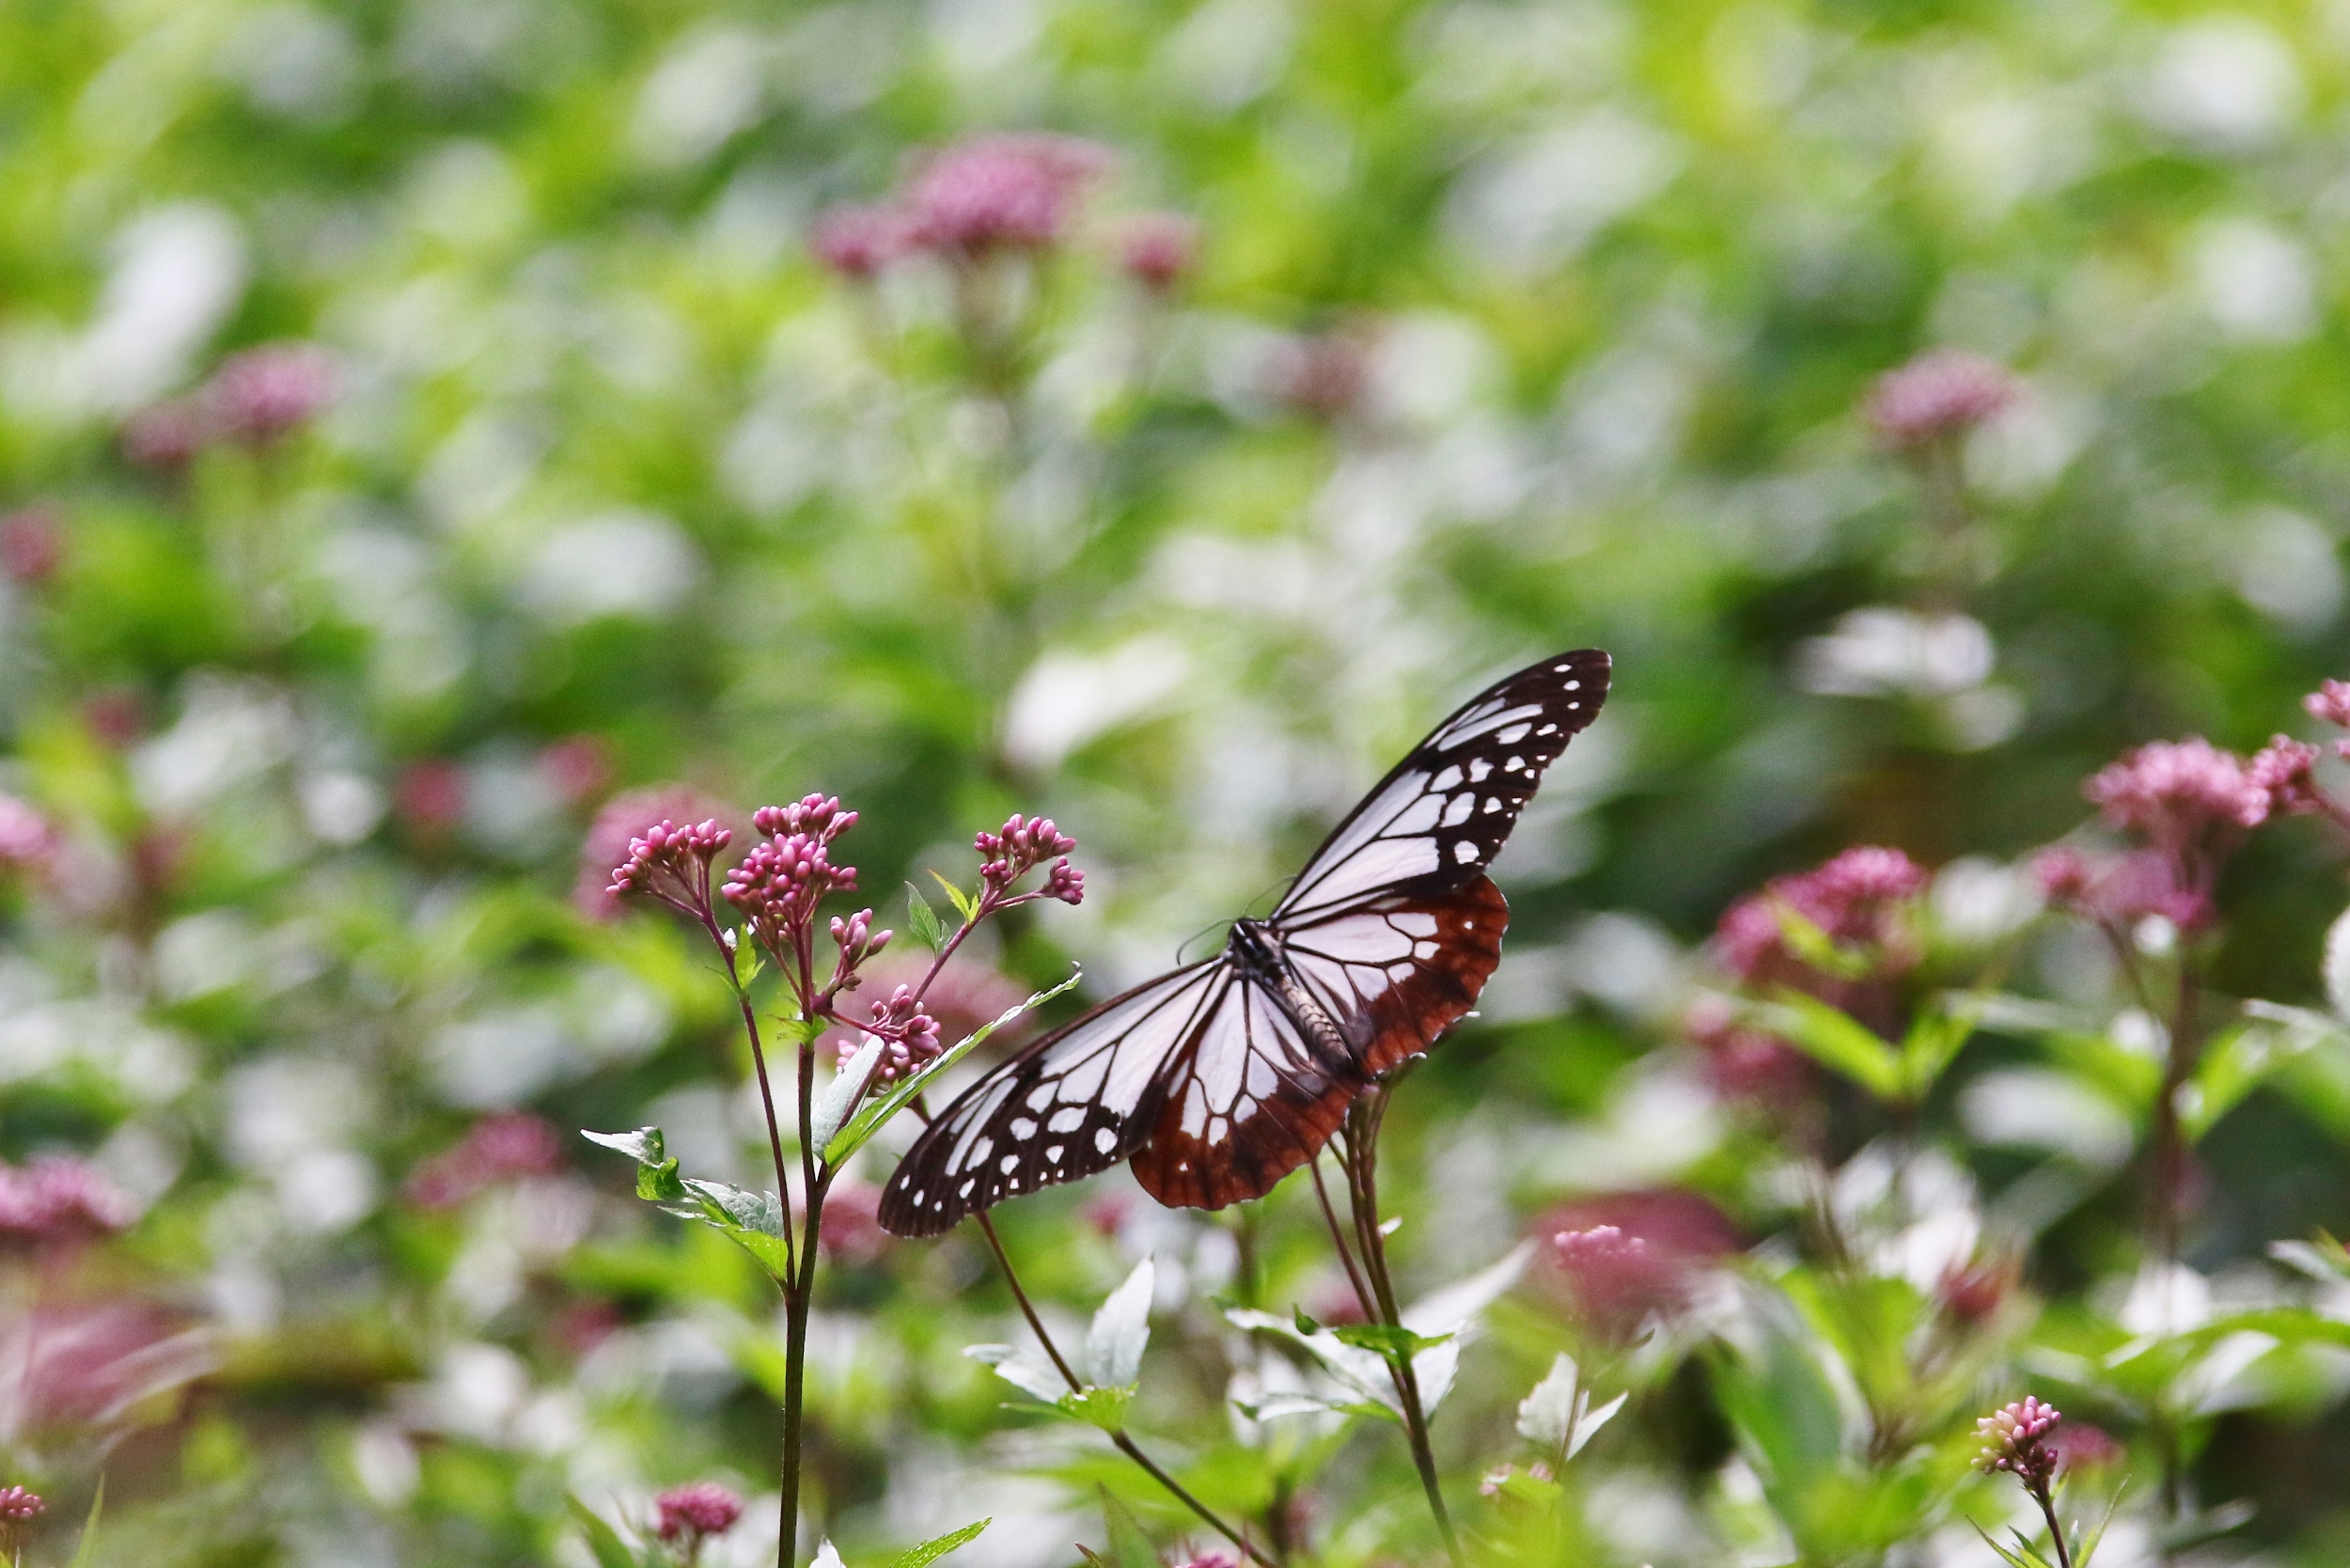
(1402,970)
(1442,813)
(1071,1103)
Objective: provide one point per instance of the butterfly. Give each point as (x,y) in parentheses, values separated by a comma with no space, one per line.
(1220,1077)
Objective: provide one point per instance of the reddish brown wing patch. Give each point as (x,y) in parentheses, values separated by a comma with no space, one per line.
(1386,1012)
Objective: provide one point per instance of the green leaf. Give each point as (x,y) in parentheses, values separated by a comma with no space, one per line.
(840,1095)
(1933,1041)
(83,1554)
(881,1107)
(965,906)
(1836,1039)
(752,1220)
(931,1551)
(2248,1055)
(603,1540)
(923,920)
(1102,1407)
(1392,1340)
(657,1180)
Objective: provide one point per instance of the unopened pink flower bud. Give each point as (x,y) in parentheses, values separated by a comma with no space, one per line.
(1947,392)
(1156,249)
(32,544)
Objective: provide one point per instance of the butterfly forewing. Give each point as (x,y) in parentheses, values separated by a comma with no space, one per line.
(1220,1080)
(1442,814)
(1076,1102)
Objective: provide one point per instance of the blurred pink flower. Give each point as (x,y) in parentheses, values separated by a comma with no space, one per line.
(84,1367)
(2177,792)
(166,435)
(116,717)
(1323,377)
(1616,1261)
(1157,249)
(1945,392)
(1859,900)
(58,1200)
(430,796)
(858,241)
(578,768)
(1000,193)
(690,1514)
(2080,1446)
(852,1230)
(265,393)
(503,1147)
(2286,770)
(32,544)
(26,840)
(2330,702)
(1745,1063)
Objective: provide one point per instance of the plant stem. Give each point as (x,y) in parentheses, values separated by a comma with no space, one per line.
(796,1303)
(2056,1530)
(1125,1444)
(1360,1160)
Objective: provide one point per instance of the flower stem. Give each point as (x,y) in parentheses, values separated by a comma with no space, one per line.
(1125,1444)
(1360,1160)
(2056,1530)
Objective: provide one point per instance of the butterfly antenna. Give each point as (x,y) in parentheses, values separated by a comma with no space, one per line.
(1208,930)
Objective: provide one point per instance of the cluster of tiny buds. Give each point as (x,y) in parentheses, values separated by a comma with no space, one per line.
(2015,1438)
(1019,849)
(1946,392)
(817,817)
(682,853)
(910,1038)
(779,884)
(690,1514)
(857,941)
(18,1506)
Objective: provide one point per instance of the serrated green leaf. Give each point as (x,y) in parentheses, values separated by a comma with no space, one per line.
(644,1145)
(931,1551)
(752,1220)
(1392,1340)
(603,1540)
(923,920)
(1102,1407)
(965,906)
(881,1107)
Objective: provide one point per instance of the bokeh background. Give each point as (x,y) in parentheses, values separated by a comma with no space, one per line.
(567,466)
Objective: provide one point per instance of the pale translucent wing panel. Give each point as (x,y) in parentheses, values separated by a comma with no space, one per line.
(1443,813)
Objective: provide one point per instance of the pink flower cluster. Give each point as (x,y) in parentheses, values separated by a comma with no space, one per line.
(254,399)
(1019,849)
(1946,392)
(994,196)
(18,1506)
(2287,768)
(1618,1262)
(2176,792)
(32,544)
(2016,1438)
(779,884)
(910,1038)
(671,863)
(2189,804)
(1859,899)
(504,1147)
(621,820)
(690,1514)
(56,1199)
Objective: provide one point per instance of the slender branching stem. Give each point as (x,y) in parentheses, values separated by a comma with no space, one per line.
(2056,1530)
(1338,1240)
(1360,1159)
(1125,1444)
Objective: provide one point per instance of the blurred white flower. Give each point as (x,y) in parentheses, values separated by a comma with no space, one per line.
(2229,81)
(713,83)
(2289,567)
(2258,284)
(294,63)
(230,729)
(1067,699)
(621,563)
(176,274)
(1884,651)
(1539,202)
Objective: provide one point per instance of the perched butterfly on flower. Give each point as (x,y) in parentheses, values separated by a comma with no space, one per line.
(1221,1077)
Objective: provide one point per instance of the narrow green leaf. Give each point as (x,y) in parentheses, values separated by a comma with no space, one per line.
(1391,1340)
(1834,1038)
(83,1554)
(931,1551)
(1933,1041)
(923,920)
(965,906)
(881,1107)
(603,1540)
